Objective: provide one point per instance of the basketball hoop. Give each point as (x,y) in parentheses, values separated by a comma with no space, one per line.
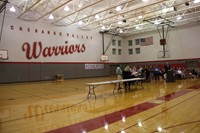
(163,29)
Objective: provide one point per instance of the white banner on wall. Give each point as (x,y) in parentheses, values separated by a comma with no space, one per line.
(94,66)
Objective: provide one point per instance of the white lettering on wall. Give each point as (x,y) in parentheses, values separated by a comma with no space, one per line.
(94,66)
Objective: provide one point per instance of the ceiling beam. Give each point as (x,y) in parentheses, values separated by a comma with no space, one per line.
(107,9)
(77,11)
(123,13)
(54,9)
(29,8)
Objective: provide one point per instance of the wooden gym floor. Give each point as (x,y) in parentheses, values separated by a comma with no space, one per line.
(63,107)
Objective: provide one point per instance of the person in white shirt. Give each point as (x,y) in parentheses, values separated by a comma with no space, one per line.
(119,75)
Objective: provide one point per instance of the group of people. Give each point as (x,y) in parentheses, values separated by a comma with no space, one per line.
(182,73)
(152,73)
(125,74)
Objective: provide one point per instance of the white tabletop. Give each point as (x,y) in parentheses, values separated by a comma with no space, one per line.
(114,81)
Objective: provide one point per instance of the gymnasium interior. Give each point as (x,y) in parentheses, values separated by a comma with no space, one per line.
(59,61)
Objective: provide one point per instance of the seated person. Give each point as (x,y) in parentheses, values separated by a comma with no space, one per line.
(178,73)
(194,73)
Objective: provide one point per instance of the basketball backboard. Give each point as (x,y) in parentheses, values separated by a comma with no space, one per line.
(104,58)
(3,54)
(163,54)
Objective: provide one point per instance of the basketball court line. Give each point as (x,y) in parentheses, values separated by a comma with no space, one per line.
(181,124)
(163,110)
(92,124)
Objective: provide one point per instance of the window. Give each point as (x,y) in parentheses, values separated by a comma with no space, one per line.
(119,51)
(113,42)
(137,41)
(130,51)
(130,43)
(142,40)
(137,50)
(119,42)
(114,51)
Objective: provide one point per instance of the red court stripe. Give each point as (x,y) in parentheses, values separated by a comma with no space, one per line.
(98,122)
(194,87)
(174,95)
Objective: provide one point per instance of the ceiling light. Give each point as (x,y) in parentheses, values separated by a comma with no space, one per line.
(80,22)
(120,31)
(139,17)
(12,9)
(179,17)
(51,16)
(97,16)
(165,10)
(118,8)
(120,22)
(66,8)
(103,27)
(170,8)
(196,1)
(144,0)
(138,27)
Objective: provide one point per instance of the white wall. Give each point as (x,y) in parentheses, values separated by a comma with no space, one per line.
(183,43)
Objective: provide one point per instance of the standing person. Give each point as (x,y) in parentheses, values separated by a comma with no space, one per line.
(151,70)
(157,73)
(147,72)
(127,75)
(119,75)
(119,72)
(167,67)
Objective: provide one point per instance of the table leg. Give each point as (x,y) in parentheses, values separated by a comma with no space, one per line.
(91,91)
(139,82)
(117,87)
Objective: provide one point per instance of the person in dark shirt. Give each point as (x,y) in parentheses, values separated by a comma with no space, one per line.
(126,75)
(167,67)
